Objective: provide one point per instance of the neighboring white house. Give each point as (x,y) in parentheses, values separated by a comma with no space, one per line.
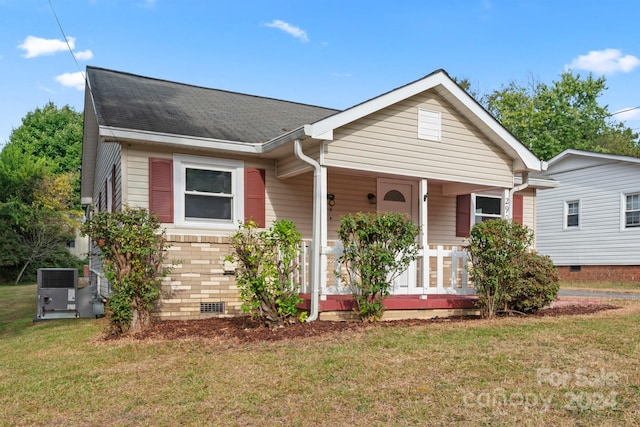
(590,224)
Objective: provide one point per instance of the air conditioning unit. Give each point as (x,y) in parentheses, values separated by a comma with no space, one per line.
(57,293)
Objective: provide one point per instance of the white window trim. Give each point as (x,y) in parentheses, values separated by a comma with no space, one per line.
(565,213)
(433,118)
(236,167)
(623,211)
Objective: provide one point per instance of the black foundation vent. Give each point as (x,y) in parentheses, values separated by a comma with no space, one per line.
(211,307)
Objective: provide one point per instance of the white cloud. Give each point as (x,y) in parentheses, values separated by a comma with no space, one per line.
(289,29)
(75,80)
(607,61)
(84,55)
(36,46)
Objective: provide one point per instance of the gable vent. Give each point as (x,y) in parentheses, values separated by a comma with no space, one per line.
(429,126)
(212,307)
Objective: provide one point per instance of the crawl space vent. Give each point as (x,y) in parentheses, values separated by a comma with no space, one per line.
(211,307)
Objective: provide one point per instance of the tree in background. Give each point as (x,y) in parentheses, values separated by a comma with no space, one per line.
(551,118)
(39,192)
(55,135)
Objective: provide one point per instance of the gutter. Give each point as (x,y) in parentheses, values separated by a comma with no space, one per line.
(315,237)
(512,191)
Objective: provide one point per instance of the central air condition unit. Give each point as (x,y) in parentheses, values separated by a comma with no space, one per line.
(57,290)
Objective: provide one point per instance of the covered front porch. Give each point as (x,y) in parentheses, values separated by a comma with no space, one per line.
(437,282)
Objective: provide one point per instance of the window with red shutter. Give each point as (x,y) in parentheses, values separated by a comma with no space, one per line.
(161,188)
(518,208)
(463,215)
(254,196)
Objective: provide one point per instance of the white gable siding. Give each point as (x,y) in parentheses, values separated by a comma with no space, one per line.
(387,142)
(598,240)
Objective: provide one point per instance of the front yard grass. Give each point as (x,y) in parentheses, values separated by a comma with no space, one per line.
(602,286)
(580,370)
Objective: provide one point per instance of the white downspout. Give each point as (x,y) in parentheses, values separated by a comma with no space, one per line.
(524,185)
(316,243)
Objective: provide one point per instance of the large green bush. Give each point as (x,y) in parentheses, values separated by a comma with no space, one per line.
(537,286)
(508,276)
(495,246)
(266,262)
(132,248)
(377,249)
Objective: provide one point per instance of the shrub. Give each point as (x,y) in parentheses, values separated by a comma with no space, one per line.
(538,284)
(133,251)
(377,248)
(267,261)
(495,246)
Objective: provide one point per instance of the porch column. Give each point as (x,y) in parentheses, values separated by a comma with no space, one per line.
(322,278)
(423,238)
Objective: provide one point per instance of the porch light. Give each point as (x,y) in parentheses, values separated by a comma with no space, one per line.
(372,198)
(332,199)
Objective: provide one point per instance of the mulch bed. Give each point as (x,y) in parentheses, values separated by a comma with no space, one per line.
(244,330)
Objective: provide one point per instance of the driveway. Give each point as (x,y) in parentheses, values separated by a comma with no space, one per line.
(598,294)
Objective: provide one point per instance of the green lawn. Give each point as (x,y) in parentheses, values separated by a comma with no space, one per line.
(579,370)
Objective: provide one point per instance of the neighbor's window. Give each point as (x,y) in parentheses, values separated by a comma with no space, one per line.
(573,213)
(208,191)
(487,208)
(632,210)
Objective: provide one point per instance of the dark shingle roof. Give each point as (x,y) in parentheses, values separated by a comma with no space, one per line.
(134,102)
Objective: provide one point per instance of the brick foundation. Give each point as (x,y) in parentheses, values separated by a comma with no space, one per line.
(199,277)
(600,273)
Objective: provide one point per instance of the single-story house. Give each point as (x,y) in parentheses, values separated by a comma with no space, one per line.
(426,148)
(590,224)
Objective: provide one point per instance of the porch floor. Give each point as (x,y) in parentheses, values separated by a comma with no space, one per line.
(396,302)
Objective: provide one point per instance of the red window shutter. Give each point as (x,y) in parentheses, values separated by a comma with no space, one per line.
(518,208)
(254,196)
(463,215)
(161,188)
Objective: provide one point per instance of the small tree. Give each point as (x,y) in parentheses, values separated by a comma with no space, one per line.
(266,261)
(495,246)
(377,249)
(133,252)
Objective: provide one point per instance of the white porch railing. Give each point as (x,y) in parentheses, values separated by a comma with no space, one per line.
(446,272)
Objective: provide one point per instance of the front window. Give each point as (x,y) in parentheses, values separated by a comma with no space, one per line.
(208,194)
(573,214)
(488,208)
(208,191)
(632,210)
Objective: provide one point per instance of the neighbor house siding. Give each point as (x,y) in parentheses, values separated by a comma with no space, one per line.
(599,239)
(387,142)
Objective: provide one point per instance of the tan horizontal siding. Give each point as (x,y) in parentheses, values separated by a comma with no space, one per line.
(351,197)
(441,218)
(387,141)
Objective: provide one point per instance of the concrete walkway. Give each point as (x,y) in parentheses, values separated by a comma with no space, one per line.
(598,294)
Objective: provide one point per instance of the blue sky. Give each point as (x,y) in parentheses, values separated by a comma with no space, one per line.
(328,53)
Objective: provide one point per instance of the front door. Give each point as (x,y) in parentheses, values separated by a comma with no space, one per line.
(398,196)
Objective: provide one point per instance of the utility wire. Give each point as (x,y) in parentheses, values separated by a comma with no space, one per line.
(66,40)
(624,111)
